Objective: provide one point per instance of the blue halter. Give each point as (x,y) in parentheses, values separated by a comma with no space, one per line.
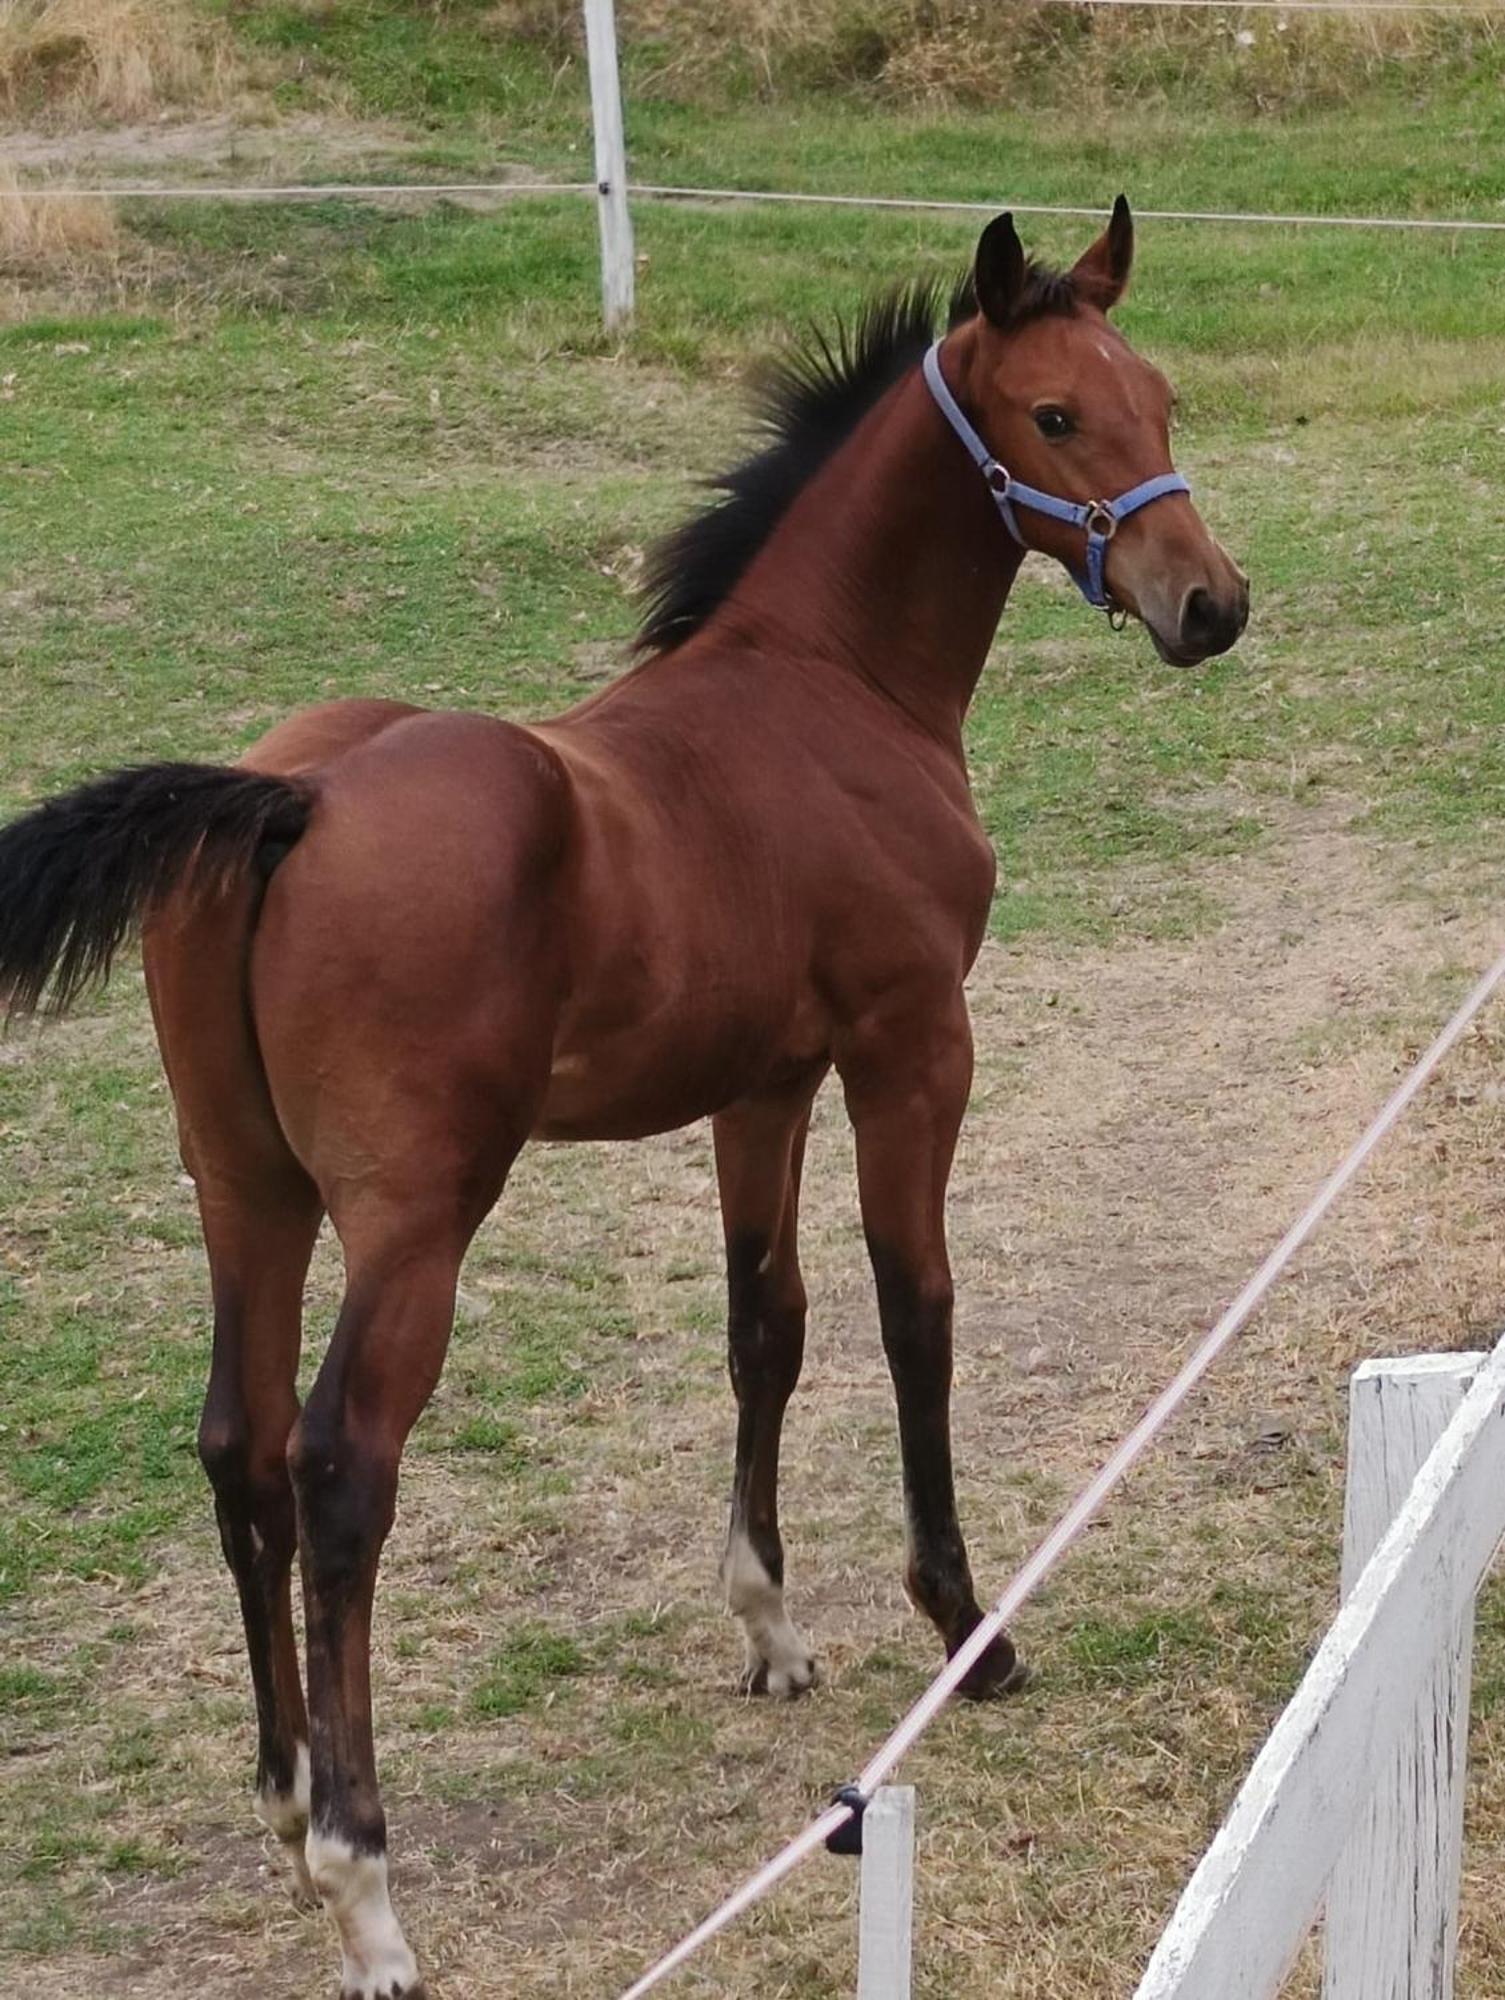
(1100,518)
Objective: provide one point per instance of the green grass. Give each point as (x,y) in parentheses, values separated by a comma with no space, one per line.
(97,1472)
(1112,1654)
(526,1669)
(446,69)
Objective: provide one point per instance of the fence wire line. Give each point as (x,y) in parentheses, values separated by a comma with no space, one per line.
(300,191)
(665,191)
(1090,1500)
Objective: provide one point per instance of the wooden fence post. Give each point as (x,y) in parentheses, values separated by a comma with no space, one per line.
(1392,1909)
(885,1948)
(611,164)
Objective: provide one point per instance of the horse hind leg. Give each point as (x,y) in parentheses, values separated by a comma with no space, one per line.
(759,1152)
(260,1237)
(403,1250)
(260,1212)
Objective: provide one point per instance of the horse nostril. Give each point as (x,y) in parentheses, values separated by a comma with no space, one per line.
(1208,626)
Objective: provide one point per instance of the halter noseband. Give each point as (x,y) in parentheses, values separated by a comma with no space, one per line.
(1100,518)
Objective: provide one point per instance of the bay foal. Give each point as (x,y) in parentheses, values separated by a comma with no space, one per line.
(391,946)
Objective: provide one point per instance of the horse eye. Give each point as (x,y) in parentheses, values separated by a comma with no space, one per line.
(1052,423)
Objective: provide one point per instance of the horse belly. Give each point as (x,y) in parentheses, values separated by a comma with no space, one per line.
(658,1076)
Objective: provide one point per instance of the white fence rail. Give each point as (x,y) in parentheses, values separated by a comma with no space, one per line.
(1360,1783)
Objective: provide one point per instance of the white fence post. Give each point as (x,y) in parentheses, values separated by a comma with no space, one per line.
(885,1947)
(611,164)
(1242,1918)
(1392,1910)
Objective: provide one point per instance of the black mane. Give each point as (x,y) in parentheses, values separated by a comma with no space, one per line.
(808,405)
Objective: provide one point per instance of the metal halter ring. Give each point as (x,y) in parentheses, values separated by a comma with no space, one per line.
(1101,520)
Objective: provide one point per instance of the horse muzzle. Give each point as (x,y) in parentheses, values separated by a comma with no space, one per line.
(1208,622)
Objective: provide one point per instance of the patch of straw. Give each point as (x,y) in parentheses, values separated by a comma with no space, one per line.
(50,233)
(80,61)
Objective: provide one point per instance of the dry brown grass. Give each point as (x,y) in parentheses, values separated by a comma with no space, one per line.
(103,61)
(44,234)
(984,52)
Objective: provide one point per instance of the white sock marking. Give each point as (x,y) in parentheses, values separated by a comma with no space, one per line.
(757,1601)
(286,1815)
(377,1962)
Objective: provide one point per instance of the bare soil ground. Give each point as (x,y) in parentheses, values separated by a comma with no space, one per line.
(1146,1120)
(222,145)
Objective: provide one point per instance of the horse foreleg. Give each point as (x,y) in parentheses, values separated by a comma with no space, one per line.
(906,1083)
(760,1148)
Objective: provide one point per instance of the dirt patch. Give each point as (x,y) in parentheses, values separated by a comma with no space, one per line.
(227,147)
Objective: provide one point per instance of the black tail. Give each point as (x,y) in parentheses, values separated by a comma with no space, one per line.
(80,872)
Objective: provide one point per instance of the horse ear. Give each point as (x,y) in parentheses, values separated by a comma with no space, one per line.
(998,274)
(1102,273)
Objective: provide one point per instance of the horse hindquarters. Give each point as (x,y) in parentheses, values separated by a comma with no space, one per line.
(259,1209)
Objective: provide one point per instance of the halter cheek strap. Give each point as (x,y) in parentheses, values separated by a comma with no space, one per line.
(1100,518)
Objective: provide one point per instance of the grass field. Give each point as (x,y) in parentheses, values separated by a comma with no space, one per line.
(258,457)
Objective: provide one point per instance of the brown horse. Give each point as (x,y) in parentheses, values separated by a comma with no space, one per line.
(391,946)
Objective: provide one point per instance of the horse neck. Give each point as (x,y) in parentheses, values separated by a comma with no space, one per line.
(892,562)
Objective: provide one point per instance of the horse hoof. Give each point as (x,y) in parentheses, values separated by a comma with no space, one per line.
(783,1683)
(999,1672)
(789,1683)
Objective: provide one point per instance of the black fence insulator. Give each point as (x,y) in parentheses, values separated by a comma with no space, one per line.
(847,1839)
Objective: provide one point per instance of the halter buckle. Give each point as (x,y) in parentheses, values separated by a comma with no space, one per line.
(1101,520)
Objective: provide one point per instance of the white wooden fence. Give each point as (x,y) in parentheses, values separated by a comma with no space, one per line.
(1358,1794)
(1357,1797)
